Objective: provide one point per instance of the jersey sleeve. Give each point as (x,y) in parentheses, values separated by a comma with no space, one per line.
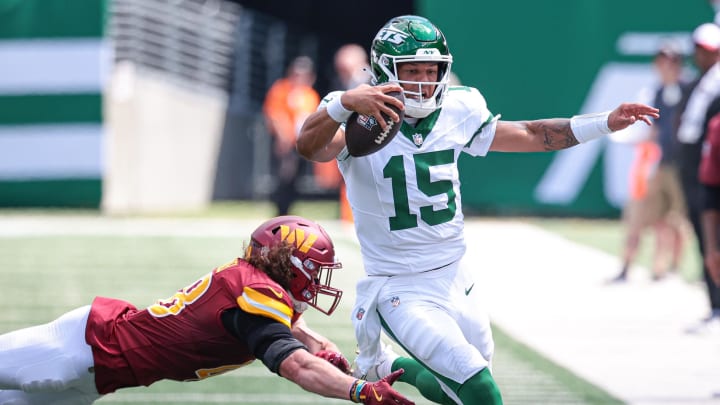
(267,301)
(482,139)
(482,123)
(267,339)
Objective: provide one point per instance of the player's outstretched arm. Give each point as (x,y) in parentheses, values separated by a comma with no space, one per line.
(320,345)
(317,375)
(310,338)
(321,138)
(561,133)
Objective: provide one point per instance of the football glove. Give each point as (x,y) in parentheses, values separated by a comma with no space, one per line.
(381,392)
(336,359)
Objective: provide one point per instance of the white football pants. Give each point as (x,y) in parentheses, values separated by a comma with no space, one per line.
(49,364)
(439,318)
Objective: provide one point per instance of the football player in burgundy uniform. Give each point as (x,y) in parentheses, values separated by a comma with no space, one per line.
(407,207)
(247,309)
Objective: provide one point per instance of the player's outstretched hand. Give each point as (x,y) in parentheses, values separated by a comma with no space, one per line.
(629,113)
(381,392)
(336,359)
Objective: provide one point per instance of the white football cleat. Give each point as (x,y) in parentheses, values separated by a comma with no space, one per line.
(382,369)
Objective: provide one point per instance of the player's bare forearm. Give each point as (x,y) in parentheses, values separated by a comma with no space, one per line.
(313,340)
(555,133)
(315,375)
(316,140)
(533,136)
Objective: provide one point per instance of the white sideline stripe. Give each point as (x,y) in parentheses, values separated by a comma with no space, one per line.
(21,225)
(50,151)
(52,66)
(216,398)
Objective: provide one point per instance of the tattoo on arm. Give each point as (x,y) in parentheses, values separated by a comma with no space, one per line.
(556,133)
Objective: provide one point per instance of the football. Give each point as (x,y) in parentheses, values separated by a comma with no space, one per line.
(364,135)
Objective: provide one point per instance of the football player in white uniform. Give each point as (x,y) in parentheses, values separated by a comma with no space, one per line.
(407,209)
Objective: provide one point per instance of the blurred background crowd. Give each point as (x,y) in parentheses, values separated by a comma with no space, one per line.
(166,105)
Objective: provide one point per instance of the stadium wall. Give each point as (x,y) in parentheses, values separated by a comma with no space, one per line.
(51,131)
(555,59)
(165,103)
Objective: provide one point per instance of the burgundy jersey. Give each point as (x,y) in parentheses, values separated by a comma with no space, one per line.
(182,337)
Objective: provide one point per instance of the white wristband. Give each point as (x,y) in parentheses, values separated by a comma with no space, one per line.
(336,111)
(587,127)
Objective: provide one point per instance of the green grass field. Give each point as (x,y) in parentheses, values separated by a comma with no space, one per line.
(72,259)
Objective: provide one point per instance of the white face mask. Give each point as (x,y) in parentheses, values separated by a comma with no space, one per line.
(420,107)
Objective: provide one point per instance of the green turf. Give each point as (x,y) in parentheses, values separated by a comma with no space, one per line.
(47,275)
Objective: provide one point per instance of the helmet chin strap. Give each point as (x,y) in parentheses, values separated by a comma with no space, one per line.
(299,306)
(373,78)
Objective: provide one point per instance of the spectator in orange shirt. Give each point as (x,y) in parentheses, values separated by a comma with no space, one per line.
(288,102)
(352,68)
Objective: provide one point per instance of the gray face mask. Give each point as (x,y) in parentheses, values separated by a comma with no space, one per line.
(299,306)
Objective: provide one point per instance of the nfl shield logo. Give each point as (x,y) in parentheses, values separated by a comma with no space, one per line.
(360,313)
(418,139)
(367,122)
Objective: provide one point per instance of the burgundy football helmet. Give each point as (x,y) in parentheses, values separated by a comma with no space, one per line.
(313,258)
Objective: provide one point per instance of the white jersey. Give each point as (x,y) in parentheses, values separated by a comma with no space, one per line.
(405,198)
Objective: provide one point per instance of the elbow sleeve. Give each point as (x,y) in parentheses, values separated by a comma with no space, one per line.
(278,351)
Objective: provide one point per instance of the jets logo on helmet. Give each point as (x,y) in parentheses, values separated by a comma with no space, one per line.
(415,39)
(392,36)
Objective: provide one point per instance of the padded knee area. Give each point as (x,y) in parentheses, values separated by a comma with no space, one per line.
(466,360)
(480,389)
(13,398)
(69,397)
(52,375)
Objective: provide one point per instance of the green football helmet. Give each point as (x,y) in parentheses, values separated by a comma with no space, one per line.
(411,38)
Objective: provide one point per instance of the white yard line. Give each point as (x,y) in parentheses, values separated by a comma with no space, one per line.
(39,225)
